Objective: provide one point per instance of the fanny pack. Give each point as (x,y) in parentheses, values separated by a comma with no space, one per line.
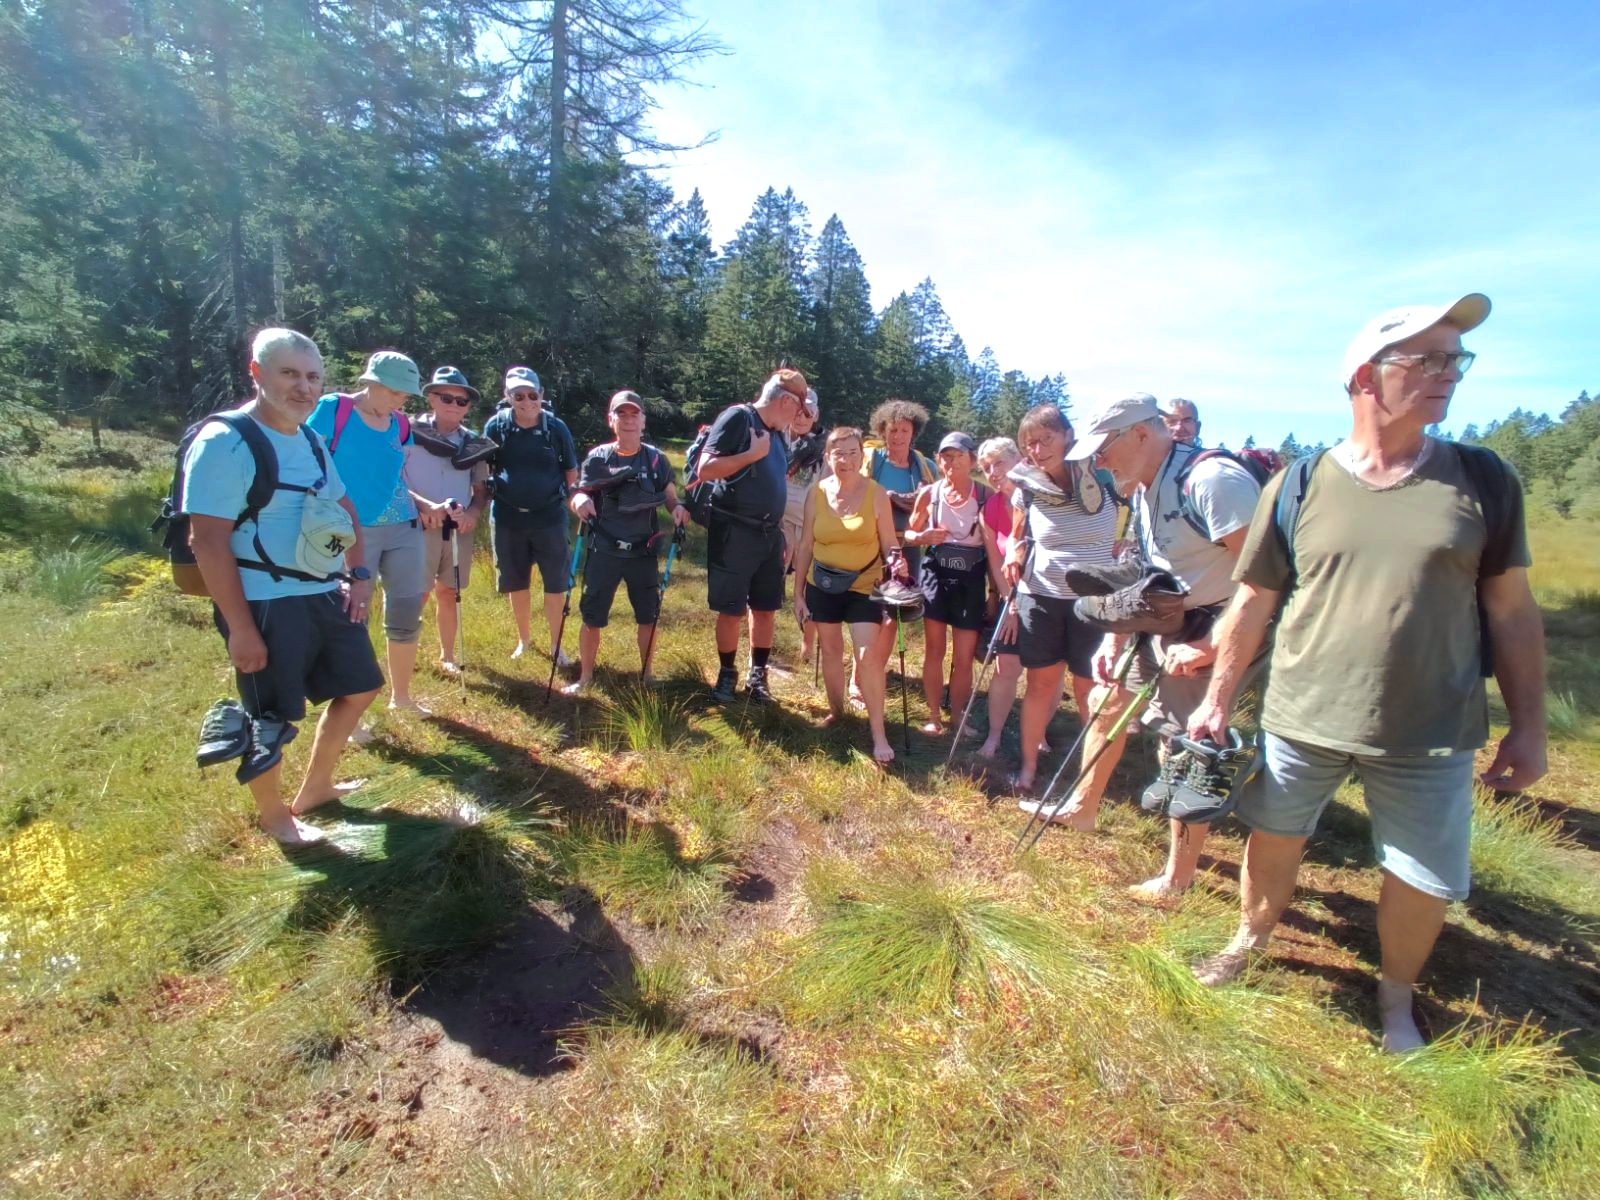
(956,558)
(834,581)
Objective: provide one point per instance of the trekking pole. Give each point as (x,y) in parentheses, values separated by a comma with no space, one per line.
(566,608)
(679,536)
(989,658)
(451,532)
(1135,707)
(816,660)
(1124,664)
(905,704)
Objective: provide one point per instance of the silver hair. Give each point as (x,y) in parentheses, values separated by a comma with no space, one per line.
(269,341)
(771,390)
(1178,405)
(996,446)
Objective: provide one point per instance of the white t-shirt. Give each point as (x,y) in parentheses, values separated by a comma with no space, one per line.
(1222,497)
(1064,535)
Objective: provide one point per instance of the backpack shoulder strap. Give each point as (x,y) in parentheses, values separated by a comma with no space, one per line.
(1487,472)
(341,418)
(405,428)
(265,481)
(1291,496)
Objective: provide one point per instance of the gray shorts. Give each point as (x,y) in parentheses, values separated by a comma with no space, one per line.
(1420,806)
(395,555)
(436,556)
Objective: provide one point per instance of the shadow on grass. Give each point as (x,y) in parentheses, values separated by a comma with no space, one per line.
(468,926)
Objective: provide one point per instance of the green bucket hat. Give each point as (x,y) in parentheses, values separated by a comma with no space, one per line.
(393,370)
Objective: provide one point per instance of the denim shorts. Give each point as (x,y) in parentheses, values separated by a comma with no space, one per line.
(1420,806)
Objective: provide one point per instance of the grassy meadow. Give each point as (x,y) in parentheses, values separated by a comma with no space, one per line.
(635,945)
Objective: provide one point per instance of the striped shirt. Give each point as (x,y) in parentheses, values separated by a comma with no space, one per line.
(1064,535)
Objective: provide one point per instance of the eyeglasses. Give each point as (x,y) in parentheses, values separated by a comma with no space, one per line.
(525,394)
(1112,440)
(1435,362)
(460,400)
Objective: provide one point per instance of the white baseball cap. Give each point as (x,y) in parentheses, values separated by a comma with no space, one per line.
(1111,417)
(522,377)
(1398,324)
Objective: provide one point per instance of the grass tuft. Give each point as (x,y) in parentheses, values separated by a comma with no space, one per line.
(913,946)
(1563,715)
(643,720)
(1516,851)
(645,872)
(73,576)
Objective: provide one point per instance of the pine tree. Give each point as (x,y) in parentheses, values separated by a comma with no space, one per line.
(841,326)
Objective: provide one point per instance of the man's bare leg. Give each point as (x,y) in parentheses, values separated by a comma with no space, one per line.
(729,626)
(1267,879)
(1183,857)
(275,816)
(1082,809)
(444,600)
(588,653)
(522,617)
(554,602)
(646,646)
(338,720)
(1409,922)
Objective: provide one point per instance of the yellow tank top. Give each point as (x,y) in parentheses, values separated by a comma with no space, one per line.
(847,543)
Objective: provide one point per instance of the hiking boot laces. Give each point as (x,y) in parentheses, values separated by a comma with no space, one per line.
(725,689)
(755,686)
(1159,794)
(1152,605)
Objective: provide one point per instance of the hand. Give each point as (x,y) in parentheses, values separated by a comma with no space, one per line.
(932,537)
(680,516)
(801,612)
(1209,722)
(466,519)
(1011,572)
(897,566)
(760,442)
(431,515)
(246,650)
(583,506)
(1519,761)
(1185,660)
(1008,626)
(357,598)
(1105,658)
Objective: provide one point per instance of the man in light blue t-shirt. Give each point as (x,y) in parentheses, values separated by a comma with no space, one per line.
(293,639)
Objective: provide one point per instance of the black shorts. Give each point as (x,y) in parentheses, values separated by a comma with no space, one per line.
(744,567)
(955,598)
(315,652)
(842,608)
(517,551)
(1050,633)
(601,577)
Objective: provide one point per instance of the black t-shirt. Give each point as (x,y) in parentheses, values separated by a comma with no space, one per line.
(614,522)
(530,482)
(760,492)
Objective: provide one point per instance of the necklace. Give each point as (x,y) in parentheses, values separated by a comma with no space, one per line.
(1345,455)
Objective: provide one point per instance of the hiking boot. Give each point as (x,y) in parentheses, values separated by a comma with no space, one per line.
(1101,579)
(898,595)
(1152,605)
(755,686)
(268,737)
(726,689)
(1209,789)
(224,734)
(1158,796)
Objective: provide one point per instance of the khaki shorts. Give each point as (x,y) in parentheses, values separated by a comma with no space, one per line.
(436,552)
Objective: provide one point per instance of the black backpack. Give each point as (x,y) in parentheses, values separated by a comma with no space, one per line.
(175,539)
(699,495)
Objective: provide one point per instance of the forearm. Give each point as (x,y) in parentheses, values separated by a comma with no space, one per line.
(1238,638)
(356,556)
(724,465)
(1519,666)
(220,569)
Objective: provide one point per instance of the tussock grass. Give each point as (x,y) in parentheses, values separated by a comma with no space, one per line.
(1563,716)
(1518,852)
(644,872)
(911,946)
(645,720)
(714,802)
(73,575)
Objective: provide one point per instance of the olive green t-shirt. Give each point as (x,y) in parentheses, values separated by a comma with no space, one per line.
(1376,647)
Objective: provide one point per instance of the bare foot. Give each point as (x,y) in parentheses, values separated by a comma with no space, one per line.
(411,706)
(1044,746)
(1218,969)
(883,754)
(362,735)
(1074,817)
(291,832)
(519,651)
(857,700)
(304,803)
(576,688)
(989,748)
(1400,1032)
(563,659)
(1157,890)
(832,719)
(932,728)
(446,667)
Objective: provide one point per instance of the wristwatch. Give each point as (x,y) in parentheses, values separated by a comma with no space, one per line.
(360,575)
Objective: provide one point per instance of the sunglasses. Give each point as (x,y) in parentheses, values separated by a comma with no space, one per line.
(451,398)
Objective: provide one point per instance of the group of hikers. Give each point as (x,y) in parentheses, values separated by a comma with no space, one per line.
(1365,592)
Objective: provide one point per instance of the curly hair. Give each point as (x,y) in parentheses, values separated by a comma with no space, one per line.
(890,411)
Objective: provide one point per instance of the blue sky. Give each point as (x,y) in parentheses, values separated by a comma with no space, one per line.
(1204,199)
